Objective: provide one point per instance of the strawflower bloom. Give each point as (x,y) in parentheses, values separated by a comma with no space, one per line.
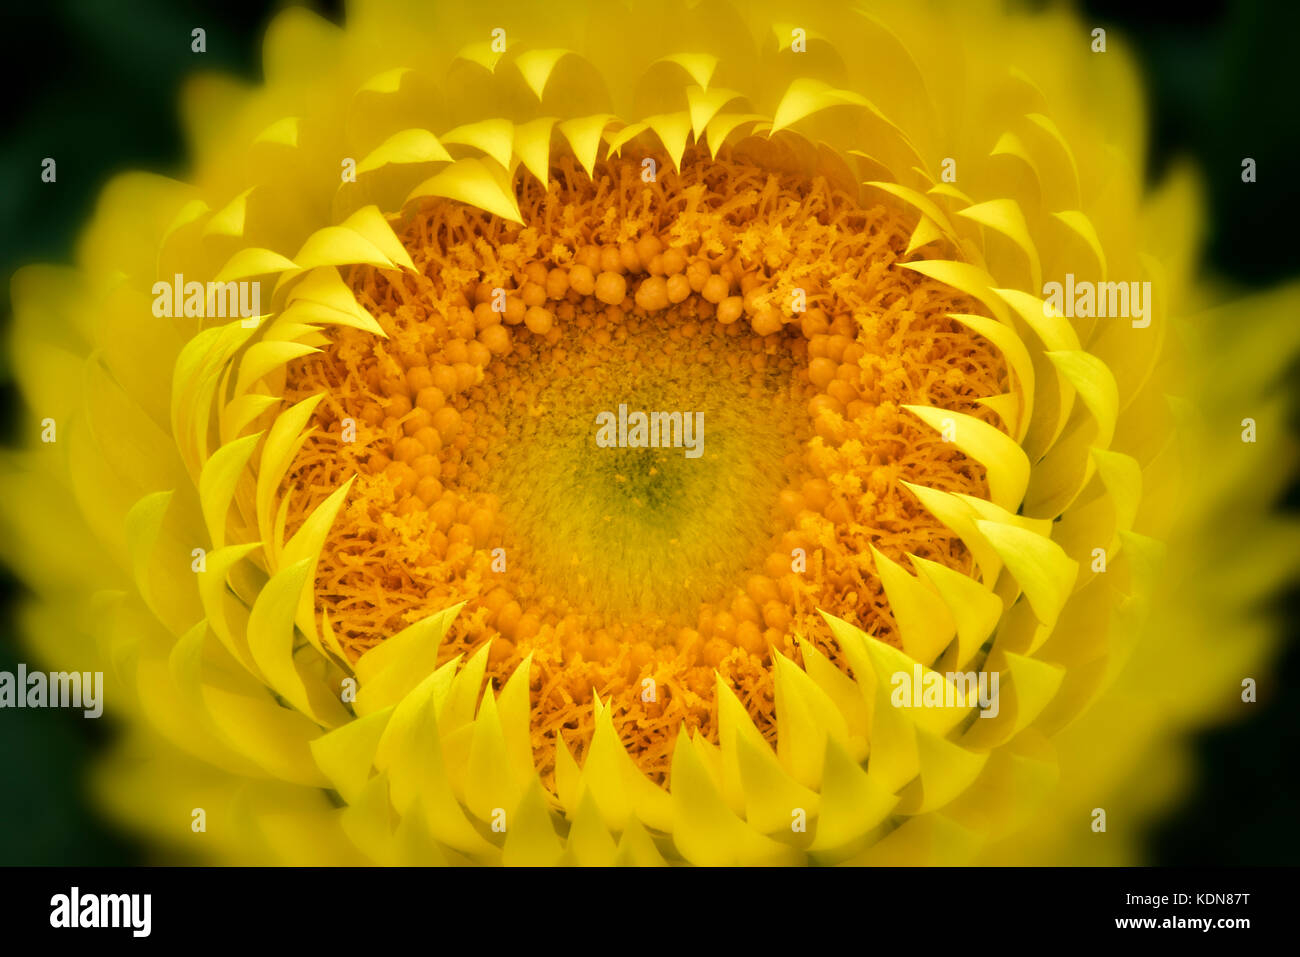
(934,506)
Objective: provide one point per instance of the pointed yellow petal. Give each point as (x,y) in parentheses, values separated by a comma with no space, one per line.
(925,623)
(493,137)
(466,690)
(805,717)
(1005,216)
(276,737)
(925,233)
(568,778)
(263,358)
(219,603)
(473,182)
(1006,464)
(842,690)
(531,840)
(958,515)
(637,849)
(253,262)
(282,444)
(143,526)
(347,754)
(700,66)
(1020,701)
(853,802)
(533,146)
(1079,223)
(704,831)
(927,207)
(271,638)
(589,843)
(673,130)
(367,820)
(306,545)
(490,783)
(324,287)
(515,713)
(772,797)
(806,96)
(584,136)
(537,66)
(946,771)
(217,483)
(229,220)
(338,246)
(1095,386)
(723,125)
(405,146)
(369,223)
(975,609)
(390,670)
(1013,350)
(896,673)
(1042,569)
(617,785)
(704,105)
(411,752)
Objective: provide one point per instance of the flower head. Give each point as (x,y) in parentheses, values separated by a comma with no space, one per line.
(651,433)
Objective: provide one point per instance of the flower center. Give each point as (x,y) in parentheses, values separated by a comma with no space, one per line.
(755,319)
(598,516)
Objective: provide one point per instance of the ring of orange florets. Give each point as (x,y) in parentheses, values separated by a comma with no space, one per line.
(708,260)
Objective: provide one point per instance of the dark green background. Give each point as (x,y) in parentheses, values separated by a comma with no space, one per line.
(97,89)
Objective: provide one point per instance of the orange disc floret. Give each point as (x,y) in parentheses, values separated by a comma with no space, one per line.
(478,477)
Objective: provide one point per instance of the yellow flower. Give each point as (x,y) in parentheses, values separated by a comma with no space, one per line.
(335,465)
